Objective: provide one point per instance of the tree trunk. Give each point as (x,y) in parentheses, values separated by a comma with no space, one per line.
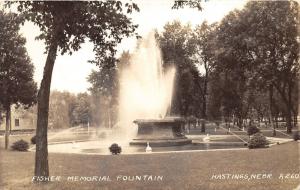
(175,106)
(204,103)
(41,156)
(295,120)
(288,122)
(289,110)
(204,107)
(240,122)
(270,109)
(7,125)
(202,126)
(205,89)
(287,99)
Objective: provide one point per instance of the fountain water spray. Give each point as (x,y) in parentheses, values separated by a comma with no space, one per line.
(145,87)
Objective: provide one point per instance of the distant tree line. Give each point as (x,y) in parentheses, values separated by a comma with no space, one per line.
(243,68)
(249,64)
(70,110)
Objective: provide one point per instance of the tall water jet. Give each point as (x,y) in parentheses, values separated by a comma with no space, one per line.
(145,87)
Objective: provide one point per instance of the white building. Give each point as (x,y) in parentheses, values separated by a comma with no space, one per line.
(21,119)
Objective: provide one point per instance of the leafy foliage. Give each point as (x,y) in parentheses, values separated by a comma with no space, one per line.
(252,130)
(16,70)
(64,26)
(258,140)
(73,109)
(272,42)
(115,149)
(203,57)
(20,145)
(254,51)
(82,110)
(104,91)
(64,104)
(177,46)
(33,139)
(69,24)
(190,3)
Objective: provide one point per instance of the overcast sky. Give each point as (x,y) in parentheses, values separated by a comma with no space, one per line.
(70,72)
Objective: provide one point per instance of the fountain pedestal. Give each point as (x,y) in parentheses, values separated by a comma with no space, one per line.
(160,132)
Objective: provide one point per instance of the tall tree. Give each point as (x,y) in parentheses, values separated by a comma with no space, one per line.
(82,111)
(105,93)
(64,26)
(1,114)
(105,90)
(272,43)
(176,43)
(230,66)
(16,70)
(261,52)
(64,104)
(204,57)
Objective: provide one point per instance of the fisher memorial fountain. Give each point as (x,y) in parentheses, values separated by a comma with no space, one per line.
(144,119)
(145,99)
(145,122)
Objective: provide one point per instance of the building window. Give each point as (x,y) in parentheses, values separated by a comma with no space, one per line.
(17,122)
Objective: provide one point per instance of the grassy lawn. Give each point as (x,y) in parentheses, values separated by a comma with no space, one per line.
(191,170)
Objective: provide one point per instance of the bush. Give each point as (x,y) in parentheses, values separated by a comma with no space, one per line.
(258,140)
(115,149)
(252,130)
(20,145)
(33,139)
(296,135)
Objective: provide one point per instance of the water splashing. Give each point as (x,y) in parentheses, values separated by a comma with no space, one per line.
(145,87)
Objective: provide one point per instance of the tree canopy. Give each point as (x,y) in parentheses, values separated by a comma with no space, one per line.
(262,51)
(16,70)
(64,26)
(177,46)
(70,24)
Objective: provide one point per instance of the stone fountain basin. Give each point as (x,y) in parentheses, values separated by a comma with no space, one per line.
(161,132)
(161,142)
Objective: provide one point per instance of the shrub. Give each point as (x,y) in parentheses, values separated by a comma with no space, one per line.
(252,130)
(33,139)
(296,135)
(258,140)
(20,145)
(115,149)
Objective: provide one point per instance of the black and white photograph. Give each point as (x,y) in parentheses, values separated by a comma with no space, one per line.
(150,95)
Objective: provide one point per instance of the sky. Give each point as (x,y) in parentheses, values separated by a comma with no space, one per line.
(70,72)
